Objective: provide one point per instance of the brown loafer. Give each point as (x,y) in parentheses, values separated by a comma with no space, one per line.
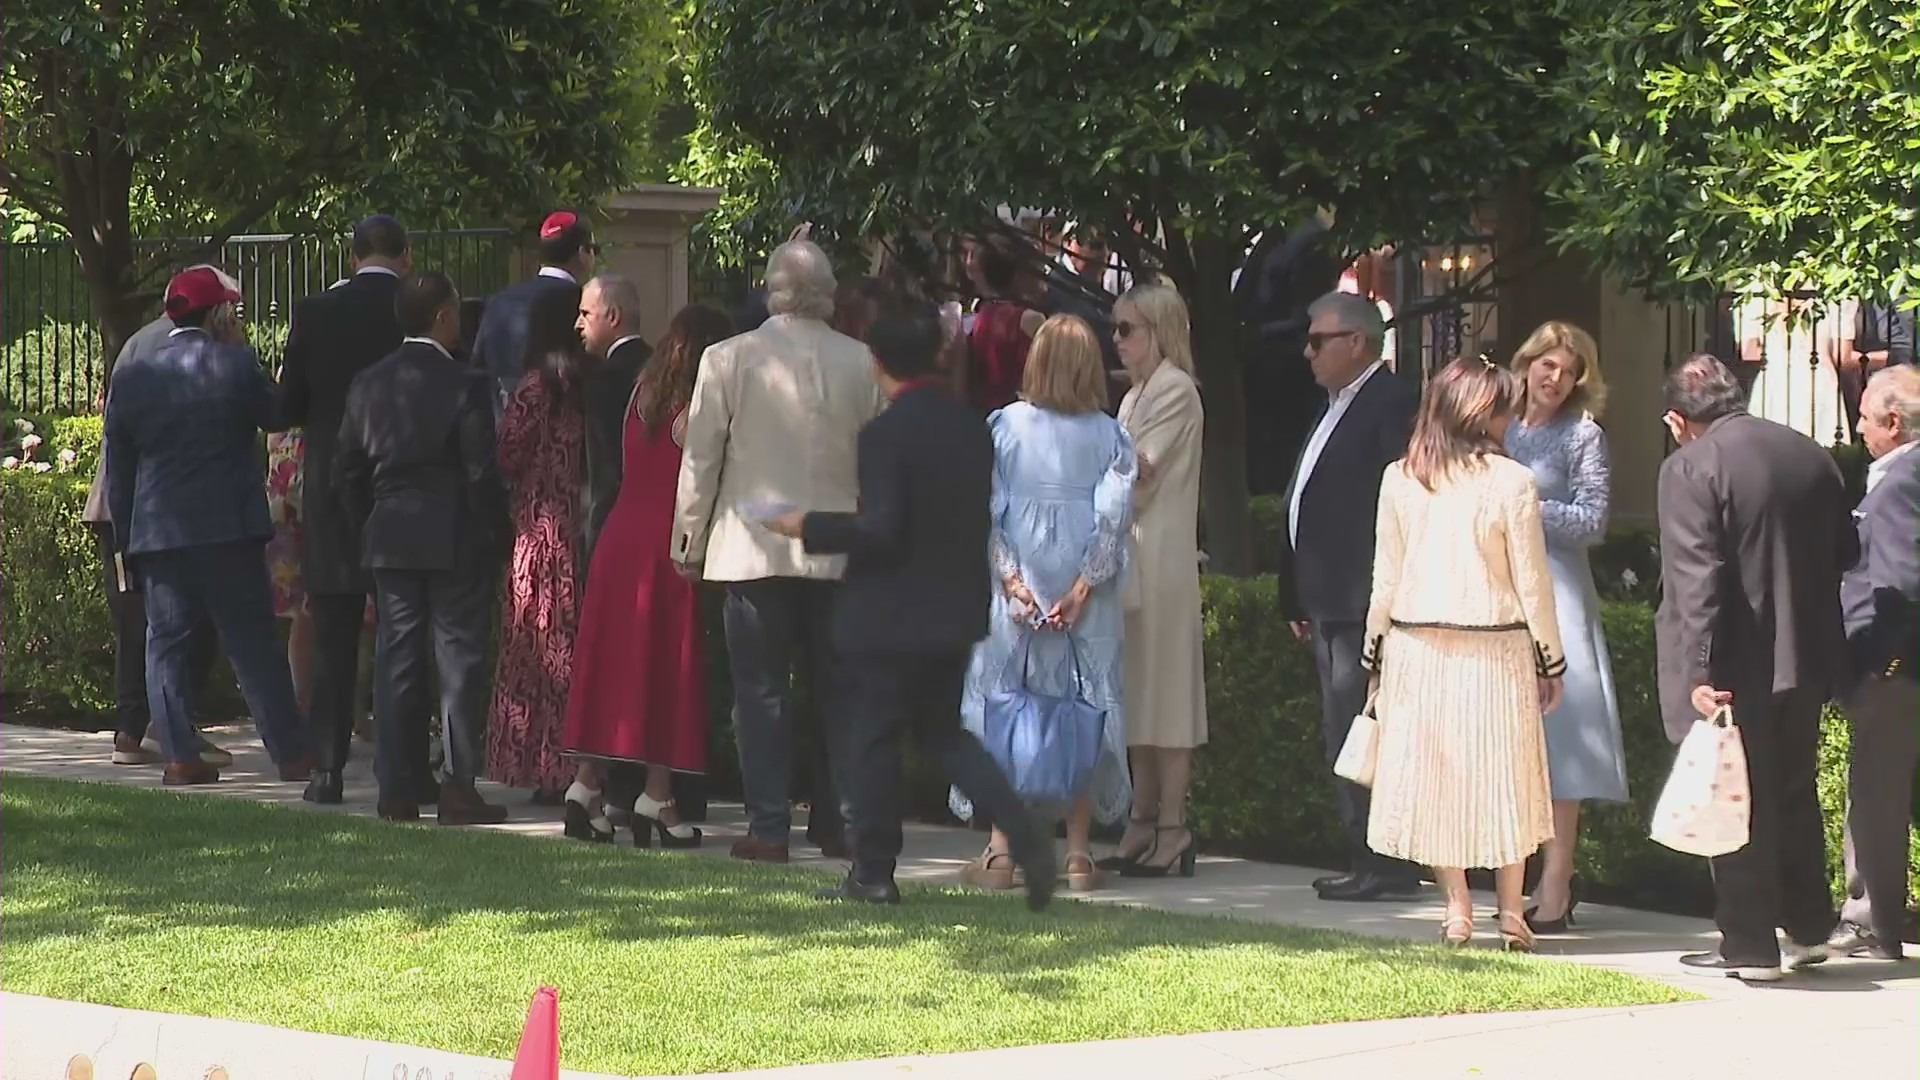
(184,773)
(398,810)
(461,804)
(747,849)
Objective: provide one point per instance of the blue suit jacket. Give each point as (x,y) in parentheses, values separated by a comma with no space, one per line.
(182,446)
(500,345)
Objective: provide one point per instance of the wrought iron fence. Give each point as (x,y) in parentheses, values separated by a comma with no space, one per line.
(52,356)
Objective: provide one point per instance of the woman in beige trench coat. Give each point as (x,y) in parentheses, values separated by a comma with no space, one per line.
(1164,693)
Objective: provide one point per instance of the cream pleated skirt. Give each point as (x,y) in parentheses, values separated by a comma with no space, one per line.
(1462,774)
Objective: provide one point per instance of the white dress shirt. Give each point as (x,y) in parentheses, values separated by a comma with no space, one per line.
(557,272)
(622,340)
(1337,405)
(430,341)
(1877,471)
(178,330)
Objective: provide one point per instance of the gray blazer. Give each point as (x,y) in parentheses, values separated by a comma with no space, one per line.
(1880,595)
(143,344)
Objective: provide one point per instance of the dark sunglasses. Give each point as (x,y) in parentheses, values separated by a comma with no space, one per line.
(1123,329)
(1316,342)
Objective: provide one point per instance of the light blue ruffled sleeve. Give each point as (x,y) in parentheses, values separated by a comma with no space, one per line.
(1112,514)
(1006,561)
(1582,521)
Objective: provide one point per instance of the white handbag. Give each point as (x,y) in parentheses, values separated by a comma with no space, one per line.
(1706,806)
(1360,754)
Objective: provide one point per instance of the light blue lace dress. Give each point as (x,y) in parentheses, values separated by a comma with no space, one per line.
(1062,496)
(1568,456)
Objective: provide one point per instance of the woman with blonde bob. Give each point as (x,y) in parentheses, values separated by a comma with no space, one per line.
(1165,686)
(1464,646)
(1557,437)
(1062,497)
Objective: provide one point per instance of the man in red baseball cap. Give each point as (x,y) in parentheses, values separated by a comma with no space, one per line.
(190,522)
(567,254)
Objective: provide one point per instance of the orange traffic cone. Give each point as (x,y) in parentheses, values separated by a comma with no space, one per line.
(538,1057)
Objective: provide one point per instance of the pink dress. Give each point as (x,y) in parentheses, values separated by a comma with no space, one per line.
(285,452)
(540,452)
(639,688)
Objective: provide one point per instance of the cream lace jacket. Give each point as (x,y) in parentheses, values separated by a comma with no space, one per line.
(1468,556)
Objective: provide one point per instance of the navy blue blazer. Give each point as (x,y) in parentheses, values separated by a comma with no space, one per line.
(182,445)
(500,345)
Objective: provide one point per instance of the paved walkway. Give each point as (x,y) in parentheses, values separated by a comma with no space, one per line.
(1863,1013)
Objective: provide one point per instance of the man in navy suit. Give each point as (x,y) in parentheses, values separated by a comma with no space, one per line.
(567,252)
(189,509)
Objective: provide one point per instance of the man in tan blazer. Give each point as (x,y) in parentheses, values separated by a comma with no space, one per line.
(772,427)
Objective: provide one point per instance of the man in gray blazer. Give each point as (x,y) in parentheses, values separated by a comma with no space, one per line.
(1753,536)
(1880,597)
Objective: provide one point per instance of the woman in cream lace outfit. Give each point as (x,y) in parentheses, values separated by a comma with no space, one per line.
(1465,649)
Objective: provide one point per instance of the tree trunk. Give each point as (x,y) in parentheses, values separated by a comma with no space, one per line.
(1223,466)
(99,220)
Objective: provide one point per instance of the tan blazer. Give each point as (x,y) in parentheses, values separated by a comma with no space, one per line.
(1471,555)
(775,415)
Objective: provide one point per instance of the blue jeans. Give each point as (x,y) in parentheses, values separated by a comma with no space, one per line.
(227,584)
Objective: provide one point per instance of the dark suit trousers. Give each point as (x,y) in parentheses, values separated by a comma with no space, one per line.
(1884,718)
(917,695)
(129,611)
(1780,878)
(228,584)
(771,624)
(1343,693)
(337,621)
(430,622)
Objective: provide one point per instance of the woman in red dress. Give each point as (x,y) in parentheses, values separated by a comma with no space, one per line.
(542,440)
(1002,328)
(639,688)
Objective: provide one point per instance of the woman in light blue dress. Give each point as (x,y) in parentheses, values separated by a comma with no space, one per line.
(1558,439)
(1062,495)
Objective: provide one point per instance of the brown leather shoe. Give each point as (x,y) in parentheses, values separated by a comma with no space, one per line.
(398,810)
(297,771)
(461,804)
(184,773)
(747,849)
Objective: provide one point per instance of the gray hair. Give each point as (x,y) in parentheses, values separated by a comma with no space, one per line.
(1356,313)
(621,294)
(800,281)
(1897,389)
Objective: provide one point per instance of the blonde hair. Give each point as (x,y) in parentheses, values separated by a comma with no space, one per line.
(1064,373)
(1456,413)
(1589,389)
(1165,315)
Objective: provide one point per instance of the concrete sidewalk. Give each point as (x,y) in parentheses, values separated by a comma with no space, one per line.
(1867,1012)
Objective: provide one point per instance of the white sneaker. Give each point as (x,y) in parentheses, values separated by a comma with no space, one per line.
(1794,957)
(127,752)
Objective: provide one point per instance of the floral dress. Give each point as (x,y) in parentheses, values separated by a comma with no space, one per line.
(285,451)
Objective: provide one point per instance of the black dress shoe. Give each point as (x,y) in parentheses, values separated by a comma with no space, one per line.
(1359,887)
(1332,880)
(862,893)
(1713,962)
(323,788)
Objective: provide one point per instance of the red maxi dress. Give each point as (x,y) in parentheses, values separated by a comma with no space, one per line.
(639,689)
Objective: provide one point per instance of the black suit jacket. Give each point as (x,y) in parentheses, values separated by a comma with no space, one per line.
(1754,533)
(1328,573)
(609,392)
(500,345)
(1880,595)
(182,445)
(335,336)
(416,475)
(917,574)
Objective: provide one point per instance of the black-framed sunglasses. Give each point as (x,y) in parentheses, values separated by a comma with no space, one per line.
(1316,342)
(1123,329)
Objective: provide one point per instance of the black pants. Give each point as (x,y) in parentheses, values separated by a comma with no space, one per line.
(917,695)
(337,622)
(431,622)
(1780,878)
(128,608)
(779,635)
(1883,717)
(1343,693)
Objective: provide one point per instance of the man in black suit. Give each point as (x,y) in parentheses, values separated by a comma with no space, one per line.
(417,480)
(189,512)
(1880,602)
(1331,502)
(567,253)
(1753,537)
(913,604)
(336,335)
(609,326)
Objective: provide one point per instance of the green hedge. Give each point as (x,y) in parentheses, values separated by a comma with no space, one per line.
(1260,787)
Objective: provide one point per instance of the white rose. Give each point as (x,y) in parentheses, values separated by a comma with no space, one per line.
(1629,578)
(10,463)
(30,442)
(42,466)
(23,424)
(68,457)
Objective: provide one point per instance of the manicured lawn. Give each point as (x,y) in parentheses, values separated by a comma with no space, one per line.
(665,963)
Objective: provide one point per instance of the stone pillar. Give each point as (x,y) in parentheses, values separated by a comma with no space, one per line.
(642,233)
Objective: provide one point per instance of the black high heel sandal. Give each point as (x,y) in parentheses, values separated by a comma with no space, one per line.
(1559,925)
(580,821)
(1183,863)
(1114,862)
(677,837)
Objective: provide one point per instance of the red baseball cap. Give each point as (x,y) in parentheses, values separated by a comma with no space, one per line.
(197,289)
(558,222)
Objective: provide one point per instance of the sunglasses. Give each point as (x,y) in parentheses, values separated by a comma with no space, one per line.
(1124,329)
(1316,342)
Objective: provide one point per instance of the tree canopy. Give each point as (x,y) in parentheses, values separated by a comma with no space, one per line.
(1731,144)
(204,118)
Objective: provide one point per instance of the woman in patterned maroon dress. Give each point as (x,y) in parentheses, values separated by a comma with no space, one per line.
(639,690)
(542,440)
